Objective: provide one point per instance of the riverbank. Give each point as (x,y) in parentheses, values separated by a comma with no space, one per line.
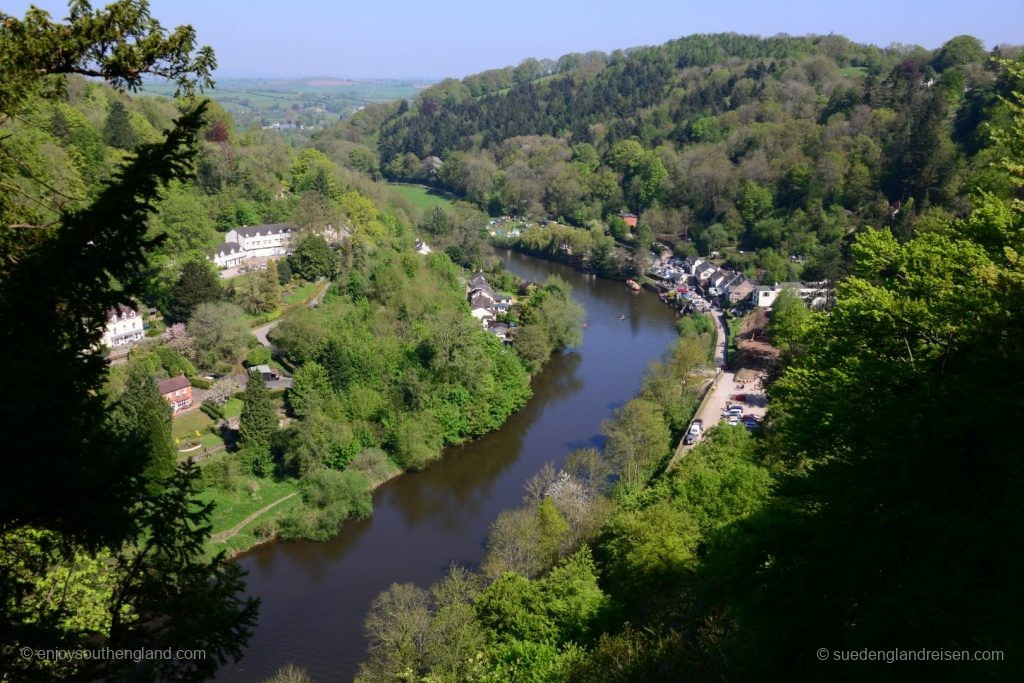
(237,531)
(315,595)
(247,517)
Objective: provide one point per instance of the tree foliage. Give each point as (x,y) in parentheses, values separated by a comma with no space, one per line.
(90,495)
(258,420)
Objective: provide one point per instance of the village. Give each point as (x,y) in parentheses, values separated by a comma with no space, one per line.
(738,305)
(206,406)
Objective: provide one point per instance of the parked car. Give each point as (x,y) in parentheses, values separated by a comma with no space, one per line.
(733,420)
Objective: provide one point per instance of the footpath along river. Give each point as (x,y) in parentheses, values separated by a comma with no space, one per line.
(316,595)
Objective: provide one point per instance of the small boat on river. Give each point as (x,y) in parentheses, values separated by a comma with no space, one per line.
(632,284)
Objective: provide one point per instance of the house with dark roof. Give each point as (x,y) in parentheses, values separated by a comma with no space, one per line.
(124,326)
(703,271)
(229,255)
(499,330)
(177,391)
(737,289)
(252,242)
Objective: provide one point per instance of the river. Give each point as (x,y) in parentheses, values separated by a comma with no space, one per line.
(314,596)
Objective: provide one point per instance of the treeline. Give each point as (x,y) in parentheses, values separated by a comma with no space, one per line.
(390,369)
(534,604)
(777,147)
(874,510)
(102,536)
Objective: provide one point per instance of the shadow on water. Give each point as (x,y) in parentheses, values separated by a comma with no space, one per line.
(463,481)
(315,595)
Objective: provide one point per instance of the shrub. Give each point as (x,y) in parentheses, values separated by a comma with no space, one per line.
(264,529)
(329,498)
(258,355)
(213,411)
(373,463)
(220,473)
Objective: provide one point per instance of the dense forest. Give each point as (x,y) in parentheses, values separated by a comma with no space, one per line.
(873,513)
(112,198)
(775,150)
(876,509)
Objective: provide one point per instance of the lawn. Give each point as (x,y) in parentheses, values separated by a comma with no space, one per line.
(210,440)
(186,426)
(300,294)
(422,198)
(249,495)
(233,408)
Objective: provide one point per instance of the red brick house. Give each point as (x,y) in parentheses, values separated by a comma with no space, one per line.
(177,391)
(629,218)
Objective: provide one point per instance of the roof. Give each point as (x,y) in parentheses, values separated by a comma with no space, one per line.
(478,301)
(263,370)
(705,267)
(763,288)
(173,384)
(484,289)
(121,311)
(478,280)
(228,248)
(626,214)
(267,229)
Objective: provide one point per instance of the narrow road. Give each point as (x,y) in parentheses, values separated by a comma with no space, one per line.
(722,342)
(261,332)
(225,536)
(722,389)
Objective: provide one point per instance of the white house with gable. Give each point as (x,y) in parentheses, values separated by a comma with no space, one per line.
(124,326)
(253,242)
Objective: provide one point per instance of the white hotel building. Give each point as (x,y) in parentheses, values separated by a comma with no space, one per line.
(254,242)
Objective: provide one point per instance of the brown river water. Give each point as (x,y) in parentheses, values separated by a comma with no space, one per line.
(314,596)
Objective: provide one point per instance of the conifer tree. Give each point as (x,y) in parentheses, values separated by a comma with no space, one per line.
(143,418)
(118,129)
(258,420)
(196,285)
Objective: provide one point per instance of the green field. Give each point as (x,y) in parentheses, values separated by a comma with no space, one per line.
(856,71)
(233,408)
(422,198)
(300,294)
(185,426)
(248,495)
(315,102)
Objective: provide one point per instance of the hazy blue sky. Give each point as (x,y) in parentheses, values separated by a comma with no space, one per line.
(420,38)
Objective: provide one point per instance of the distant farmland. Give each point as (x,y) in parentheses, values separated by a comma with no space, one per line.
(310,102)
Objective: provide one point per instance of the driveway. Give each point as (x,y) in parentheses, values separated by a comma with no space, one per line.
(261,332)
(722,340)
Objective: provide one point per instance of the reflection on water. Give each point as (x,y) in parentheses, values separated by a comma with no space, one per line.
(315,595)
